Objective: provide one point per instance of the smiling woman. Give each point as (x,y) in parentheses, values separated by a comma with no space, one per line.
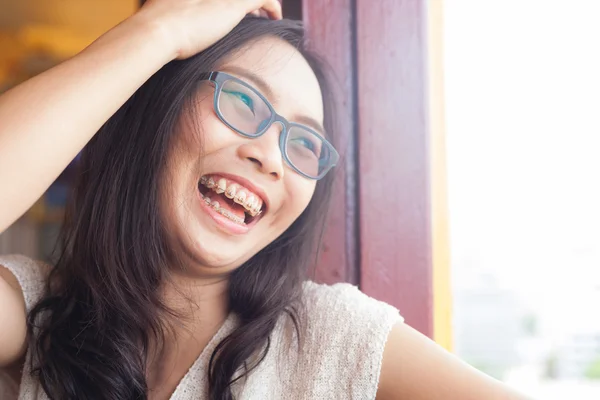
(204,181)
(211,187)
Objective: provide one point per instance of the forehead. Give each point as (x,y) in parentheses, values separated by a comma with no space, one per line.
(293,86)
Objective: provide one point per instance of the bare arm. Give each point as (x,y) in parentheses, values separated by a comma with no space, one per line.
(47,120)
(12,314)
(416,368)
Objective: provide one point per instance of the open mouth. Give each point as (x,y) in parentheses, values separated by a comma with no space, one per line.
(231,199)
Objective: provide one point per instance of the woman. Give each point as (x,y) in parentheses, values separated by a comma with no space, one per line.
(200,198)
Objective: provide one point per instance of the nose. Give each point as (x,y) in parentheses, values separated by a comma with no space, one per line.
(264,152)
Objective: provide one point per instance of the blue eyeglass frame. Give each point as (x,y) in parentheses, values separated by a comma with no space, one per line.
(219,78)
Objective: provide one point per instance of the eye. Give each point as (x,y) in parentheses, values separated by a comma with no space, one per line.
(241,97)
(307,143)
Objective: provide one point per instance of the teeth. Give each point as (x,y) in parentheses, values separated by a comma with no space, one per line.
(221,186)
(232,217)
(231,190)
(217,207)
(255,212)
(240,198)
(250,203)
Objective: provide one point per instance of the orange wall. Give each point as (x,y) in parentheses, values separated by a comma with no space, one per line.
(52,28)
(62,27)
(90,16)
(442,298)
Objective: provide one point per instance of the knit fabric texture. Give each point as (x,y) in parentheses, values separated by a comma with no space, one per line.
(342,337)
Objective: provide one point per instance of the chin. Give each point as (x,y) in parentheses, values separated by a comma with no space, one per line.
(207,252)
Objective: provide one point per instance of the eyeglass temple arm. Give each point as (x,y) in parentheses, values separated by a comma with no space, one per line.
(212,76)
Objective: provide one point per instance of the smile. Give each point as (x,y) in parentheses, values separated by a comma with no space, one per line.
(234,199)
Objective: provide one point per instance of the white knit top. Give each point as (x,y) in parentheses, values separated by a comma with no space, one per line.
(343,331)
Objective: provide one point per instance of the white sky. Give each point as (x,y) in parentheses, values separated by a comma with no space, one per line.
(523,128)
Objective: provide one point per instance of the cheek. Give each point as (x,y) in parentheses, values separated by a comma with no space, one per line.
(299,194)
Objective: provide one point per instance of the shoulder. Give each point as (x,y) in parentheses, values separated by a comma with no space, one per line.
(31,276)
(344,333)
(345,303)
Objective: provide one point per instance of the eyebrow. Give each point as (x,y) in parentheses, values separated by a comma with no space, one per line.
(310,122)
(267,91)
(260,82)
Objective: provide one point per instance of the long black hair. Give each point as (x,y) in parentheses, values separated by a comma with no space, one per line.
(91,332)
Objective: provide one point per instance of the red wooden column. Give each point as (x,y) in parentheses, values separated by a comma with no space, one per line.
(381,226)
(380,56)
(393,156)
(330,26)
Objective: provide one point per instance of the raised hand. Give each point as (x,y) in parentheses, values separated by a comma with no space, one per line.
(190,26)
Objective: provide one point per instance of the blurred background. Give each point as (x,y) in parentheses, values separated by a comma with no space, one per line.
(521,95)
(523,135)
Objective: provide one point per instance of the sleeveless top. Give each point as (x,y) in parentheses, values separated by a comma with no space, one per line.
(343,336)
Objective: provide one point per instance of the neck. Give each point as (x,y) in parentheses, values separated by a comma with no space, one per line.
(200,302)
(200,307)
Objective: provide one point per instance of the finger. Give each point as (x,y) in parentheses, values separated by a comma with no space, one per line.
(256,13)
(273,9)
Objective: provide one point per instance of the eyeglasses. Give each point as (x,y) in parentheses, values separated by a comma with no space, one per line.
(246,111)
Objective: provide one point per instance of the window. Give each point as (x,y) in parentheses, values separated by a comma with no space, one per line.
(523,135)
